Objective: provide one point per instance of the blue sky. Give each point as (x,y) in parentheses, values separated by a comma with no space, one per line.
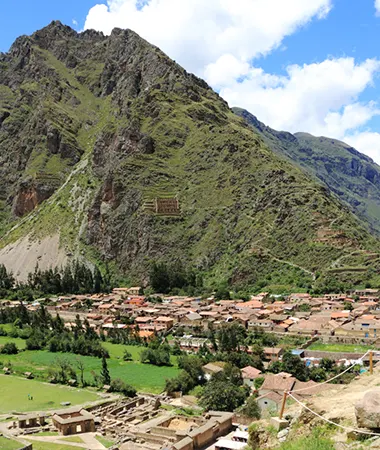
(298,65)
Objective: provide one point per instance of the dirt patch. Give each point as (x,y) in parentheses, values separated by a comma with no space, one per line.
(178,424)
(22,256)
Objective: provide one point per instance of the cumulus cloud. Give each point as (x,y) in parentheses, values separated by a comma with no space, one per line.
(319,98)
(367,141)
(377,7)
(198,32)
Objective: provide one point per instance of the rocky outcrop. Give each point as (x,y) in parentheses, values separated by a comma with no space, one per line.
(367,411)
(29,195)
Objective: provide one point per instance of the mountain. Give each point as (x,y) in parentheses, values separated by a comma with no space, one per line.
(111,152)
(352,176)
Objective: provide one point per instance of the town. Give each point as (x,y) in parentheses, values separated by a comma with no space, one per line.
(266,344)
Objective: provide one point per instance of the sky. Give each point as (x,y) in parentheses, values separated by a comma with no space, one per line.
(298,65)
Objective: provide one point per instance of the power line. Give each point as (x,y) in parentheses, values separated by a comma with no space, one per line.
(330,421)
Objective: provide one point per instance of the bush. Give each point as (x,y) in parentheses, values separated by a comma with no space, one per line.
(127,356)
(9,349)
(157,357)
(118,385)
(251,408)
(259,382)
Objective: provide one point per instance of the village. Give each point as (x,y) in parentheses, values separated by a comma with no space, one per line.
(296,322)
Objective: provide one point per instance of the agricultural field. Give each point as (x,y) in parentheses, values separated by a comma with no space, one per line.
(349,348)
(14,395)
(144,377)
(19,342)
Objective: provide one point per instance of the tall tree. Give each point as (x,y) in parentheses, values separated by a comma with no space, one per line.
(105,374)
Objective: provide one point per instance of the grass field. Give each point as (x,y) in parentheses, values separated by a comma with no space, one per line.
(19,342)
(350,348)
(49,446)
(143,377)
(14,395)
(106,442)
(7,444)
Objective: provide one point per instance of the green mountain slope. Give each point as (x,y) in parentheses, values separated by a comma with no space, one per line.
(94,130)
(354,177)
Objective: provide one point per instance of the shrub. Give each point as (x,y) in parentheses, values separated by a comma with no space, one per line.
(9,349)
(118,385)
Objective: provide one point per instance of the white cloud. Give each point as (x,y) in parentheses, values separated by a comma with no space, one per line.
(320,98)
(75,22)
(199,32)
(377,7)
(367,141)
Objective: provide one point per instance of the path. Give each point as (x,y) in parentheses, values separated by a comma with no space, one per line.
(89,440)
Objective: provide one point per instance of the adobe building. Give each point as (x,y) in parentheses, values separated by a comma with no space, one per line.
(31,420)
(73,420)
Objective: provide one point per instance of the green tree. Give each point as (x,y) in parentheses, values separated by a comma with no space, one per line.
(221,395)
(104,374)
(127,356)
(9,348)
(251,408)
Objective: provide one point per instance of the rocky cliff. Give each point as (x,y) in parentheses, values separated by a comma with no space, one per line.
(95,129)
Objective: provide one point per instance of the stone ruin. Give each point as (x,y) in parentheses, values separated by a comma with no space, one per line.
(141,424)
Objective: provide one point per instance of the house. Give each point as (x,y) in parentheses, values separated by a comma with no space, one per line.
(269,402)
(272,354)
(192,320)
(365,329)
(252,304)
(213,368)
(250,374)
(265,324)
(166,322)
(142,321)
(278,383)
(367,293)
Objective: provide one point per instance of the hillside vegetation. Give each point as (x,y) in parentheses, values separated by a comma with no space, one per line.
(94,128)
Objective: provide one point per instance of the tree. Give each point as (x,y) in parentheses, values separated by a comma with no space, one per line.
(293,364)
(81,368)
(222,293)
(219,395)
(348,306)
(258,382)
(118,385)
(9,348)
(251,408)
(127,356)
(7,280)
(98,280)
(104,374)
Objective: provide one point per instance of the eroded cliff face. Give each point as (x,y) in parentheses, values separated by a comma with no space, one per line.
(105,125)
(29,195)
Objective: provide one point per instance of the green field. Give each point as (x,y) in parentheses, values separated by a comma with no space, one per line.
(143,377)
(49,446)
(7,444)
(349,348)
(106,442)
(19,342)
(14,395)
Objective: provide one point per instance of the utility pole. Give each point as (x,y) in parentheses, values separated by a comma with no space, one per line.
(283,404)
(371,362)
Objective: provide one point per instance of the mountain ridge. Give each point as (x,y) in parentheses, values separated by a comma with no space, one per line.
(351,175)
(95,128)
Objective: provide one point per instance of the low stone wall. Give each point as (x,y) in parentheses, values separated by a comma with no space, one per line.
(337,355)
(348,340)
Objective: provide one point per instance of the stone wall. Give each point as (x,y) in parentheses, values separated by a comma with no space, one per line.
(337,355)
